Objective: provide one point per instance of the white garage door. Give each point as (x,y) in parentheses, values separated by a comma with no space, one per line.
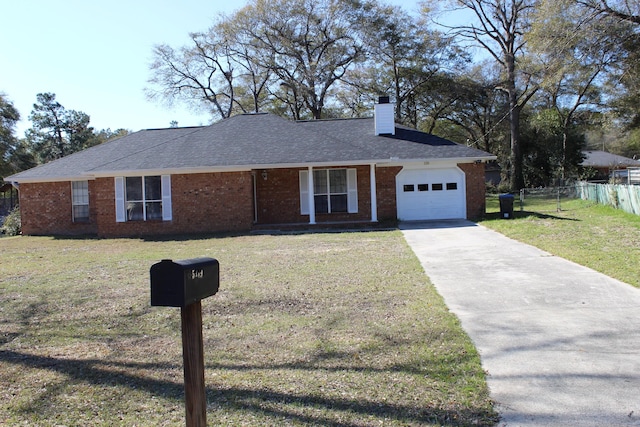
(425,194)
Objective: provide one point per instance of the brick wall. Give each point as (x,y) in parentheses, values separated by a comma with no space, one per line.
(386,192)
(201,203)
(278,196)
(216,202)
(476,188)
(45,209)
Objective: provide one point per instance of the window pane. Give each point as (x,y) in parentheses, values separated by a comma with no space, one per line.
(452,185)
(436,187)
(408,187)
(134,188)
(81,213)
(80,190)
(320,182)
(423,187)
(152,188)
(338,180)
(322,204)
(134,211)
(339,203)
(154,210)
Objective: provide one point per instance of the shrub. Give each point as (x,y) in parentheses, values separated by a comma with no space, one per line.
(11,225)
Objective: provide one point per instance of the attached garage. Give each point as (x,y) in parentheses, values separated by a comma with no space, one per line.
(430,194)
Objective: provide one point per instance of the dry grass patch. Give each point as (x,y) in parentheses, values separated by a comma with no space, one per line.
(313,329)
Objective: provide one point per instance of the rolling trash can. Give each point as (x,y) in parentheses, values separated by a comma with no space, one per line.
(506,206)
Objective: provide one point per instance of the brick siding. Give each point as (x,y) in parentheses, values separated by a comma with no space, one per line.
(201,203)
(218,202)
(278,196)
(386,192)
(45,209)
(476,188)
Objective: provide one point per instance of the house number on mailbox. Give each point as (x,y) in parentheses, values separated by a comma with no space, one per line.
(197,274)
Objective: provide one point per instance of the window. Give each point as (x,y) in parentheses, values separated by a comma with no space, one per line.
(143,198)
(436,187)
(423,187)
(80,201)
(330,190)
(408,188)
(452,185)
(334,191)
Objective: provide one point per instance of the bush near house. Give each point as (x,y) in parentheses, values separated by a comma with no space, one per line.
(11,223)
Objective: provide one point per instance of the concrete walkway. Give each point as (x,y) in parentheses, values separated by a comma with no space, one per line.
(560,342)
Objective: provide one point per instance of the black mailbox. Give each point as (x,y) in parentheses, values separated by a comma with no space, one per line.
(180,283)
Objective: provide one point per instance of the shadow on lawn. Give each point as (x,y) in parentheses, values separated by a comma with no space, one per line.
(525,214)
(273,403)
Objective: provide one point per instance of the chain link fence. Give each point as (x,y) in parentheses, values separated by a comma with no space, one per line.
(549,200)
(545,200)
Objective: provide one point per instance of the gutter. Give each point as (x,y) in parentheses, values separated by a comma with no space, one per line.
(393,161)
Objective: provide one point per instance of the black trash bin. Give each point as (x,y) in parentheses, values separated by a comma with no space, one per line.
(506,206)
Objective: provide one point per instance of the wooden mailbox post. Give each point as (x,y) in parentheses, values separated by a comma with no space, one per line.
(184,284)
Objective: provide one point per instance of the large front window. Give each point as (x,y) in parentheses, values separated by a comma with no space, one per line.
(333,191)
(143,198)
(330,190)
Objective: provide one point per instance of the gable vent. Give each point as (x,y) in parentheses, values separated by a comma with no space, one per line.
(383,113)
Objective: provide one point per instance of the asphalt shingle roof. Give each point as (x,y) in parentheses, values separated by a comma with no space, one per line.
(250,140)
(604,159)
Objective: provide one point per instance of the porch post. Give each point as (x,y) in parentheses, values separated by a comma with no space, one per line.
(312,203)
(374,200)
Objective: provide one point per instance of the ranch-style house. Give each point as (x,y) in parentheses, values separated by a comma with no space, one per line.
(254,171)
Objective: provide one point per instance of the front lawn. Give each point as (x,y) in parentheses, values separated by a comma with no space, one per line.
(600,237)
(326,329)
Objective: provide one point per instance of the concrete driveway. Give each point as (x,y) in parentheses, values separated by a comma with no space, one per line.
(560,342)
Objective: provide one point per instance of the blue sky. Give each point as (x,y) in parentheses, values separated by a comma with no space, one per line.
(95,55)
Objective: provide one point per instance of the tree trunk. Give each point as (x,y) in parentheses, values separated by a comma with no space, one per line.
(516,176)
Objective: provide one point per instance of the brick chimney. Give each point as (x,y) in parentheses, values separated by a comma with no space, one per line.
(384,117)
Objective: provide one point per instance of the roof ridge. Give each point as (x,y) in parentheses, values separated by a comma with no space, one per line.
(174,128)
(332,119)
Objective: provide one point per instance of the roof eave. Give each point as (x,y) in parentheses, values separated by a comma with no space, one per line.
(33,180)
(393,161)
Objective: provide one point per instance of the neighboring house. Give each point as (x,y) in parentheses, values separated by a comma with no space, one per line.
(606,163)
(254,171)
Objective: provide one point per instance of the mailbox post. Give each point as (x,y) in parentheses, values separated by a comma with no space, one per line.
(184,284)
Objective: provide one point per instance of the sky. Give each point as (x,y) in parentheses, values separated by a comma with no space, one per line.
(95,55)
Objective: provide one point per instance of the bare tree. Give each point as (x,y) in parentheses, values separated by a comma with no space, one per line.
(626,10)
(499,29)
(403,59)
(201,74)
(307,44)
(578,51)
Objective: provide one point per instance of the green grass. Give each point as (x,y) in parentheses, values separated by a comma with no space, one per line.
(336,329)
(600,237)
